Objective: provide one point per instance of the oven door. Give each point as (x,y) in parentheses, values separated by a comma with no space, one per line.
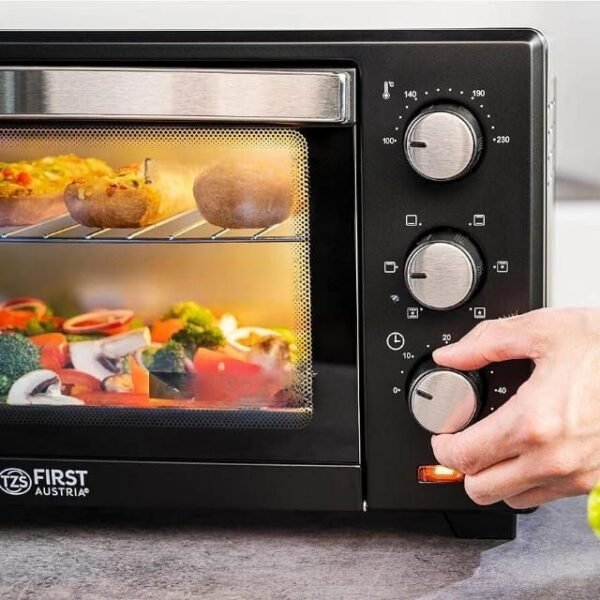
(178,266)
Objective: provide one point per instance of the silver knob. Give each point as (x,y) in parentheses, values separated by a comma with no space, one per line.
(444,400)
(443,142)
(443,270)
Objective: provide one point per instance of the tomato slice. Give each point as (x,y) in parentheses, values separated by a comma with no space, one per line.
(223,381)
(76,383)
(212,361)
(98,321)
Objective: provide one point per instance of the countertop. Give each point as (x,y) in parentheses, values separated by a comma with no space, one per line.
(102,554)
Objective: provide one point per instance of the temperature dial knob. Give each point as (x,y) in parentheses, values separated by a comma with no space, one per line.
(443,270)
(444,400)
(443,142)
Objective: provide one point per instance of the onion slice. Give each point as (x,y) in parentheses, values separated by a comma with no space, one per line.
(98,320)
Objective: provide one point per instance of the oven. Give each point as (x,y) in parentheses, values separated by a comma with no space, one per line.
(227,257)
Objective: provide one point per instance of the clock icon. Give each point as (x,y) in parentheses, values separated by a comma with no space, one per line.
(395,341)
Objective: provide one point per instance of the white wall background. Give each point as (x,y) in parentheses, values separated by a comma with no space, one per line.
(571,27)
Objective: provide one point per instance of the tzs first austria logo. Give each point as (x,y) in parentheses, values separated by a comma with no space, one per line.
(15,482)
(44,482)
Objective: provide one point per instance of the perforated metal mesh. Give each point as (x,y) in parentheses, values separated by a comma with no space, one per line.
(186,145)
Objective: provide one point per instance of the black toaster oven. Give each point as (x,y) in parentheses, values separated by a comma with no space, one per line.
(226,258)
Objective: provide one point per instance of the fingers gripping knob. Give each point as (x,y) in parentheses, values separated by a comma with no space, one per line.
(443,400)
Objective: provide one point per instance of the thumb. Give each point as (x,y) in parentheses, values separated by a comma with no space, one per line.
(494,341)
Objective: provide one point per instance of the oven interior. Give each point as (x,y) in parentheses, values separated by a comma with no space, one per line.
(183,320)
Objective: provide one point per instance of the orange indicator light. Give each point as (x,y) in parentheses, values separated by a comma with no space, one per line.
(438,474)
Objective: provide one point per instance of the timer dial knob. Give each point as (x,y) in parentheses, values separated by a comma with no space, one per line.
(443,142)
(443,270)
(444,400)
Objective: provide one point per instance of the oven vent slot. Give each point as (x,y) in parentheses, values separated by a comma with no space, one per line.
(184,227)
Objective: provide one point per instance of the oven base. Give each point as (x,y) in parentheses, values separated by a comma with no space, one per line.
(199,486)
(482,525)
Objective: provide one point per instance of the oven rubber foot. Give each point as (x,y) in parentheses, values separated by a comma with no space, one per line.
(482,525)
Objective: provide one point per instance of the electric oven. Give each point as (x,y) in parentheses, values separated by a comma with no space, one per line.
(226,258)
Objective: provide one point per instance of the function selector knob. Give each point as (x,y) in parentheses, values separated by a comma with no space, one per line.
(443,142)
(443,270)
(444,400)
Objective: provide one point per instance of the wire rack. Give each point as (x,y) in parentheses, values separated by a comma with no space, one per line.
(188,226)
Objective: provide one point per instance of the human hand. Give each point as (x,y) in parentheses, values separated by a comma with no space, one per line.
(544,442)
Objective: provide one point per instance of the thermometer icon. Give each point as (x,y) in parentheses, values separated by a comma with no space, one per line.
(386,90)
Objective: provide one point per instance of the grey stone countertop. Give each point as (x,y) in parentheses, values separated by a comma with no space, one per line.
(105,554)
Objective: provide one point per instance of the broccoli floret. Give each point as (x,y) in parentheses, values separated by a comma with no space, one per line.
(191,312)
(193,336)
(170,358)
(5,385)
(18,356)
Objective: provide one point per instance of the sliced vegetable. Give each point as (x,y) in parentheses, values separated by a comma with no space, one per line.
(118,346)
(163,331)
(209,361)
(221,380)
(99,320)
(54,350)
(39,387)
(76,382)
(105,357)
(14,319)
(170,386)
(35,305)
(140,377)
(45,339)
(118,383)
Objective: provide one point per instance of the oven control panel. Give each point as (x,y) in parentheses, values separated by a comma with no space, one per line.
(453,234)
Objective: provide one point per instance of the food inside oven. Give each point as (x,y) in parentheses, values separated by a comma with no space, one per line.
(156,268)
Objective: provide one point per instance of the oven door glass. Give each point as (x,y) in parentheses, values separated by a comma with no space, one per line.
(162,294)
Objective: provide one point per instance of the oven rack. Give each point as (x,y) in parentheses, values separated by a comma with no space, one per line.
(187,226)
